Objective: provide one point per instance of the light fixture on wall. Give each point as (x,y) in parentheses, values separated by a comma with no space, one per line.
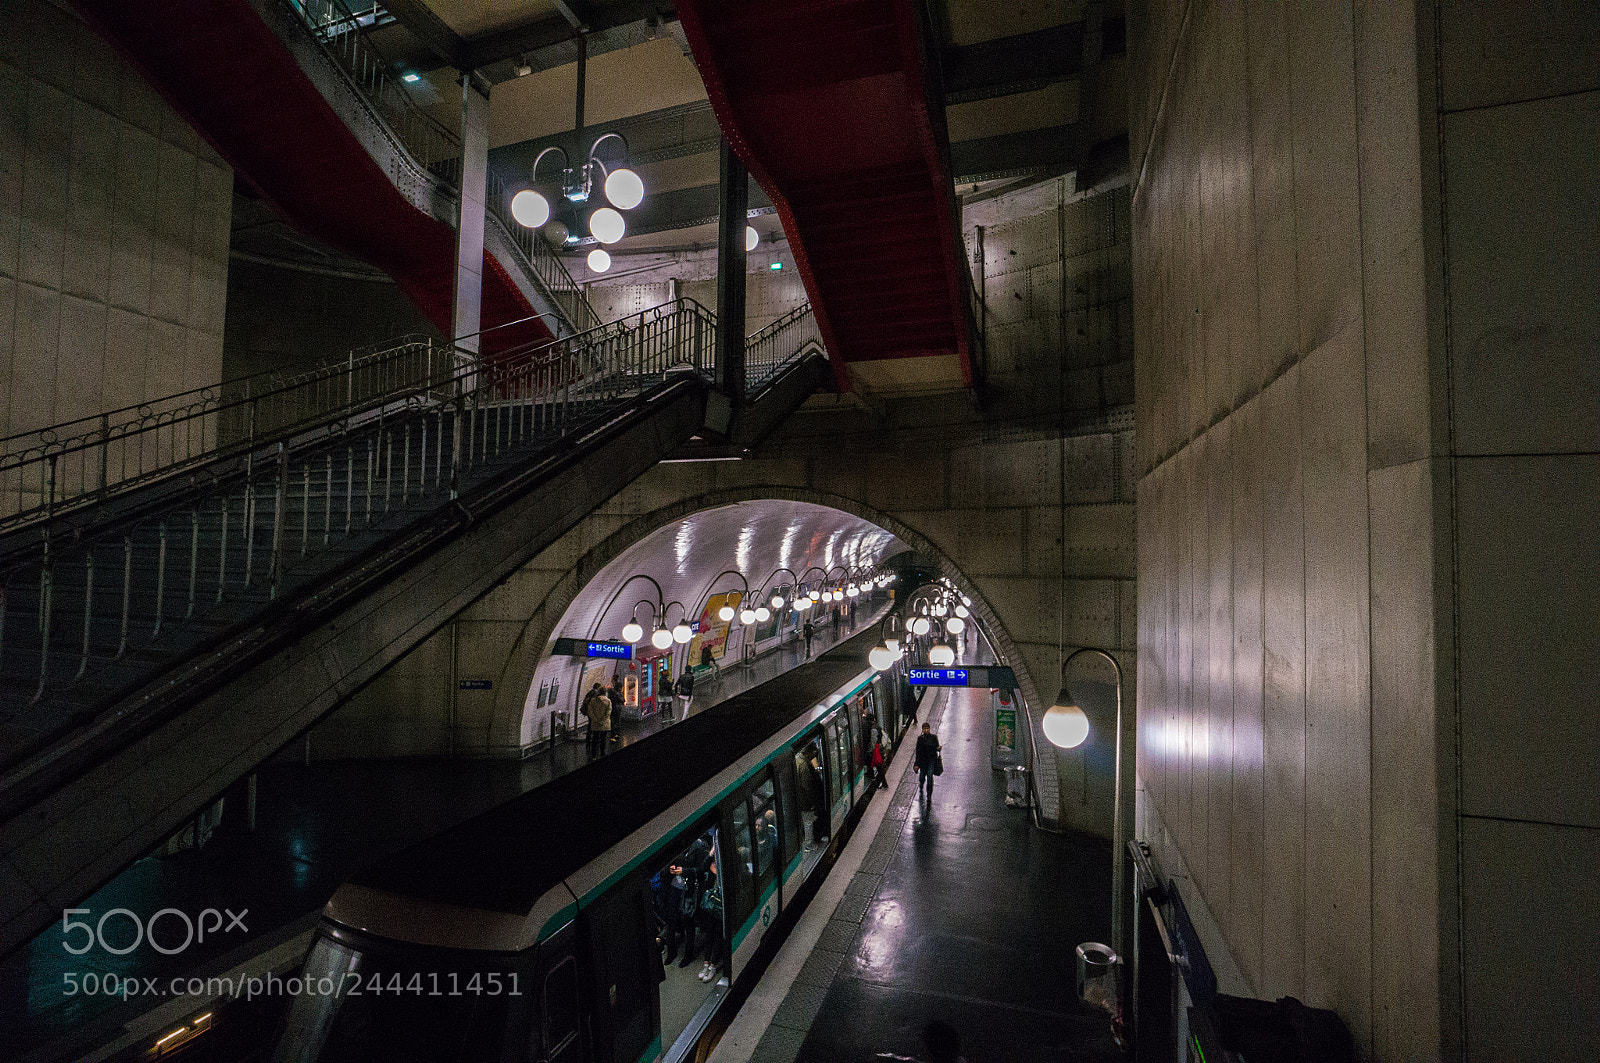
(622,188)
(941,656)
(751,238)
(599,260)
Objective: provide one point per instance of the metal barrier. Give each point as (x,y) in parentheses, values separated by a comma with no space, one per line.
(255,520)
(53,470)
(773,347)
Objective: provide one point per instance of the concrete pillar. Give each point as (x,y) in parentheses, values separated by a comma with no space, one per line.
(733,207)
(467,312)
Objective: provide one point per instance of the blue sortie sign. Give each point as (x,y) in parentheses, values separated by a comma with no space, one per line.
(938,677)
(619,651)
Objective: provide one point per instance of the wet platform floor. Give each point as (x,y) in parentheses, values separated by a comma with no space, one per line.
(959,911)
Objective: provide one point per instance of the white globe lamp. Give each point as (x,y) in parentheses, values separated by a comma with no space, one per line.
(661,638)
(599,260)
(606,225)
(681,633)
(725,614)
(624,188)
(632,632)
(763,614)
(777,601)
(751,238)
(955,625)
(941,656)
(881,657)
(1065,725)
(747,616)
(530,209)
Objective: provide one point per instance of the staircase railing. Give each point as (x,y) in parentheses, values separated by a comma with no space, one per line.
(54,470)
(98,600)
(342,35)
(771,348)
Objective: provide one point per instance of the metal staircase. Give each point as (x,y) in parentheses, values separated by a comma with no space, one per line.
(186,586)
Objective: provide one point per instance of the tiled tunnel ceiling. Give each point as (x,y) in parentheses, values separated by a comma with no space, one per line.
(687,558)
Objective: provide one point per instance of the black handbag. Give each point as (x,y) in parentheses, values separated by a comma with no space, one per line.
(938,765)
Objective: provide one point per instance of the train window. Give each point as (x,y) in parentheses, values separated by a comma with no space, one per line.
(741,862)
(764,819)
(560,1011)
(841,758)
(789,809)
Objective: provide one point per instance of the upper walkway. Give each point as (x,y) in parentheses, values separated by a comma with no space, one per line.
(314,119)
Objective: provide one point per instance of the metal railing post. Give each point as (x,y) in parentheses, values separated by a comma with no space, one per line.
(280,496)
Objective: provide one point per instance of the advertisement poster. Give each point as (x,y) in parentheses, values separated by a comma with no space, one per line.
(1005,729)
(713,634)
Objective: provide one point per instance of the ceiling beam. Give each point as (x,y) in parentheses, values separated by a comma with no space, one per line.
(1024,62)
(655,136)
(417,17)
(1014,154)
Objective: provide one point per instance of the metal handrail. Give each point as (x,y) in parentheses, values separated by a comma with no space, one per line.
(764,350)
(272,516)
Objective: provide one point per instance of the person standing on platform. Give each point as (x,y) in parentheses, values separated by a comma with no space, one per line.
(809,631)
(928,762)
(614,692)
(838,618)
(597,710)
(685,691)
(877,765)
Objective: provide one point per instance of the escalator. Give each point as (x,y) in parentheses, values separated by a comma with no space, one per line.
(295,98)
(188,589)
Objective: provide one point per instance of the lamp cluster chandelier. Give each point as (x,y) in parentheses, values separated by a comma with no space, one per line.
(622,187)
(623,190)
(850,584)
(932,607)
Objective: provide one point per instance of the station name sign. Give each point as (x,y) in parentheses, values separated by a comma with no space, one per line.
(616,651)
(996,677)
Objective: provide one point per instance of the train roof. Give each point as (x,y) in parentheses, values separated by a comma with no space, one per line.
(506,859)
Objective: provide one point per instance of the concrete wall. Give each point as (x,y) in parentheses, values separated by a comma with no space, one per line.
(768,296)
(1360,308)
(113,229)
(1515,116)
(280,317)
(1027,501)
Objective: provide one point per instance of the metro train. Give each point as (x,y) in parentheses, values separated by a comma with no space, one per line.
(535,932)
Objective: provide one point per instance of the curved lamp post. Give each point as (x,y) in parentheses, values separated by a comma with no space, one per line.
(1066,725)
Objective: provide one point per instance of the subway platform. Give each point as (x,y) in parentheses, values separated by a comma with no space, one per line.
(316,825)
(954,909)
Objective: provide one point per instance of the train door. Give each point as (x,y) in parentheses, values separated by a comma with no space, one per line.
(839,758)
(556,1036)
(622,1017)
(686,904)
(811,797)
(791,825)
(751,872)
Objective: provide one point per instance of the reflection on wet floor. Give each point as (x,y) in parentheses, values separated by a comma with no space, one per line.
(316,825)
(960,911)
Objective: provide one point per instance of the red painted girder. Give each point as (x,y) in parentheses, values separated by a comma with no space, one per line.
(224,70)
(826,102)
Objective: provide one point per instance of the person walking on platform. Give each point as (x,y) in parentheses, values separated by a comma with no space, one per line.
(597,710)
(928,762)
(809,631)
(877,765)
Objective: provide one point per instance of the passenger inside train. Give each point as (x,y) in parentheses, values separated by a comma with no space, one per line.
(686,903)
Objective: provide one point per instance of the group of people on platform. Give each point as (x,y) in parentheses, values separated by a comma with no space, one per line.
(602,707)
